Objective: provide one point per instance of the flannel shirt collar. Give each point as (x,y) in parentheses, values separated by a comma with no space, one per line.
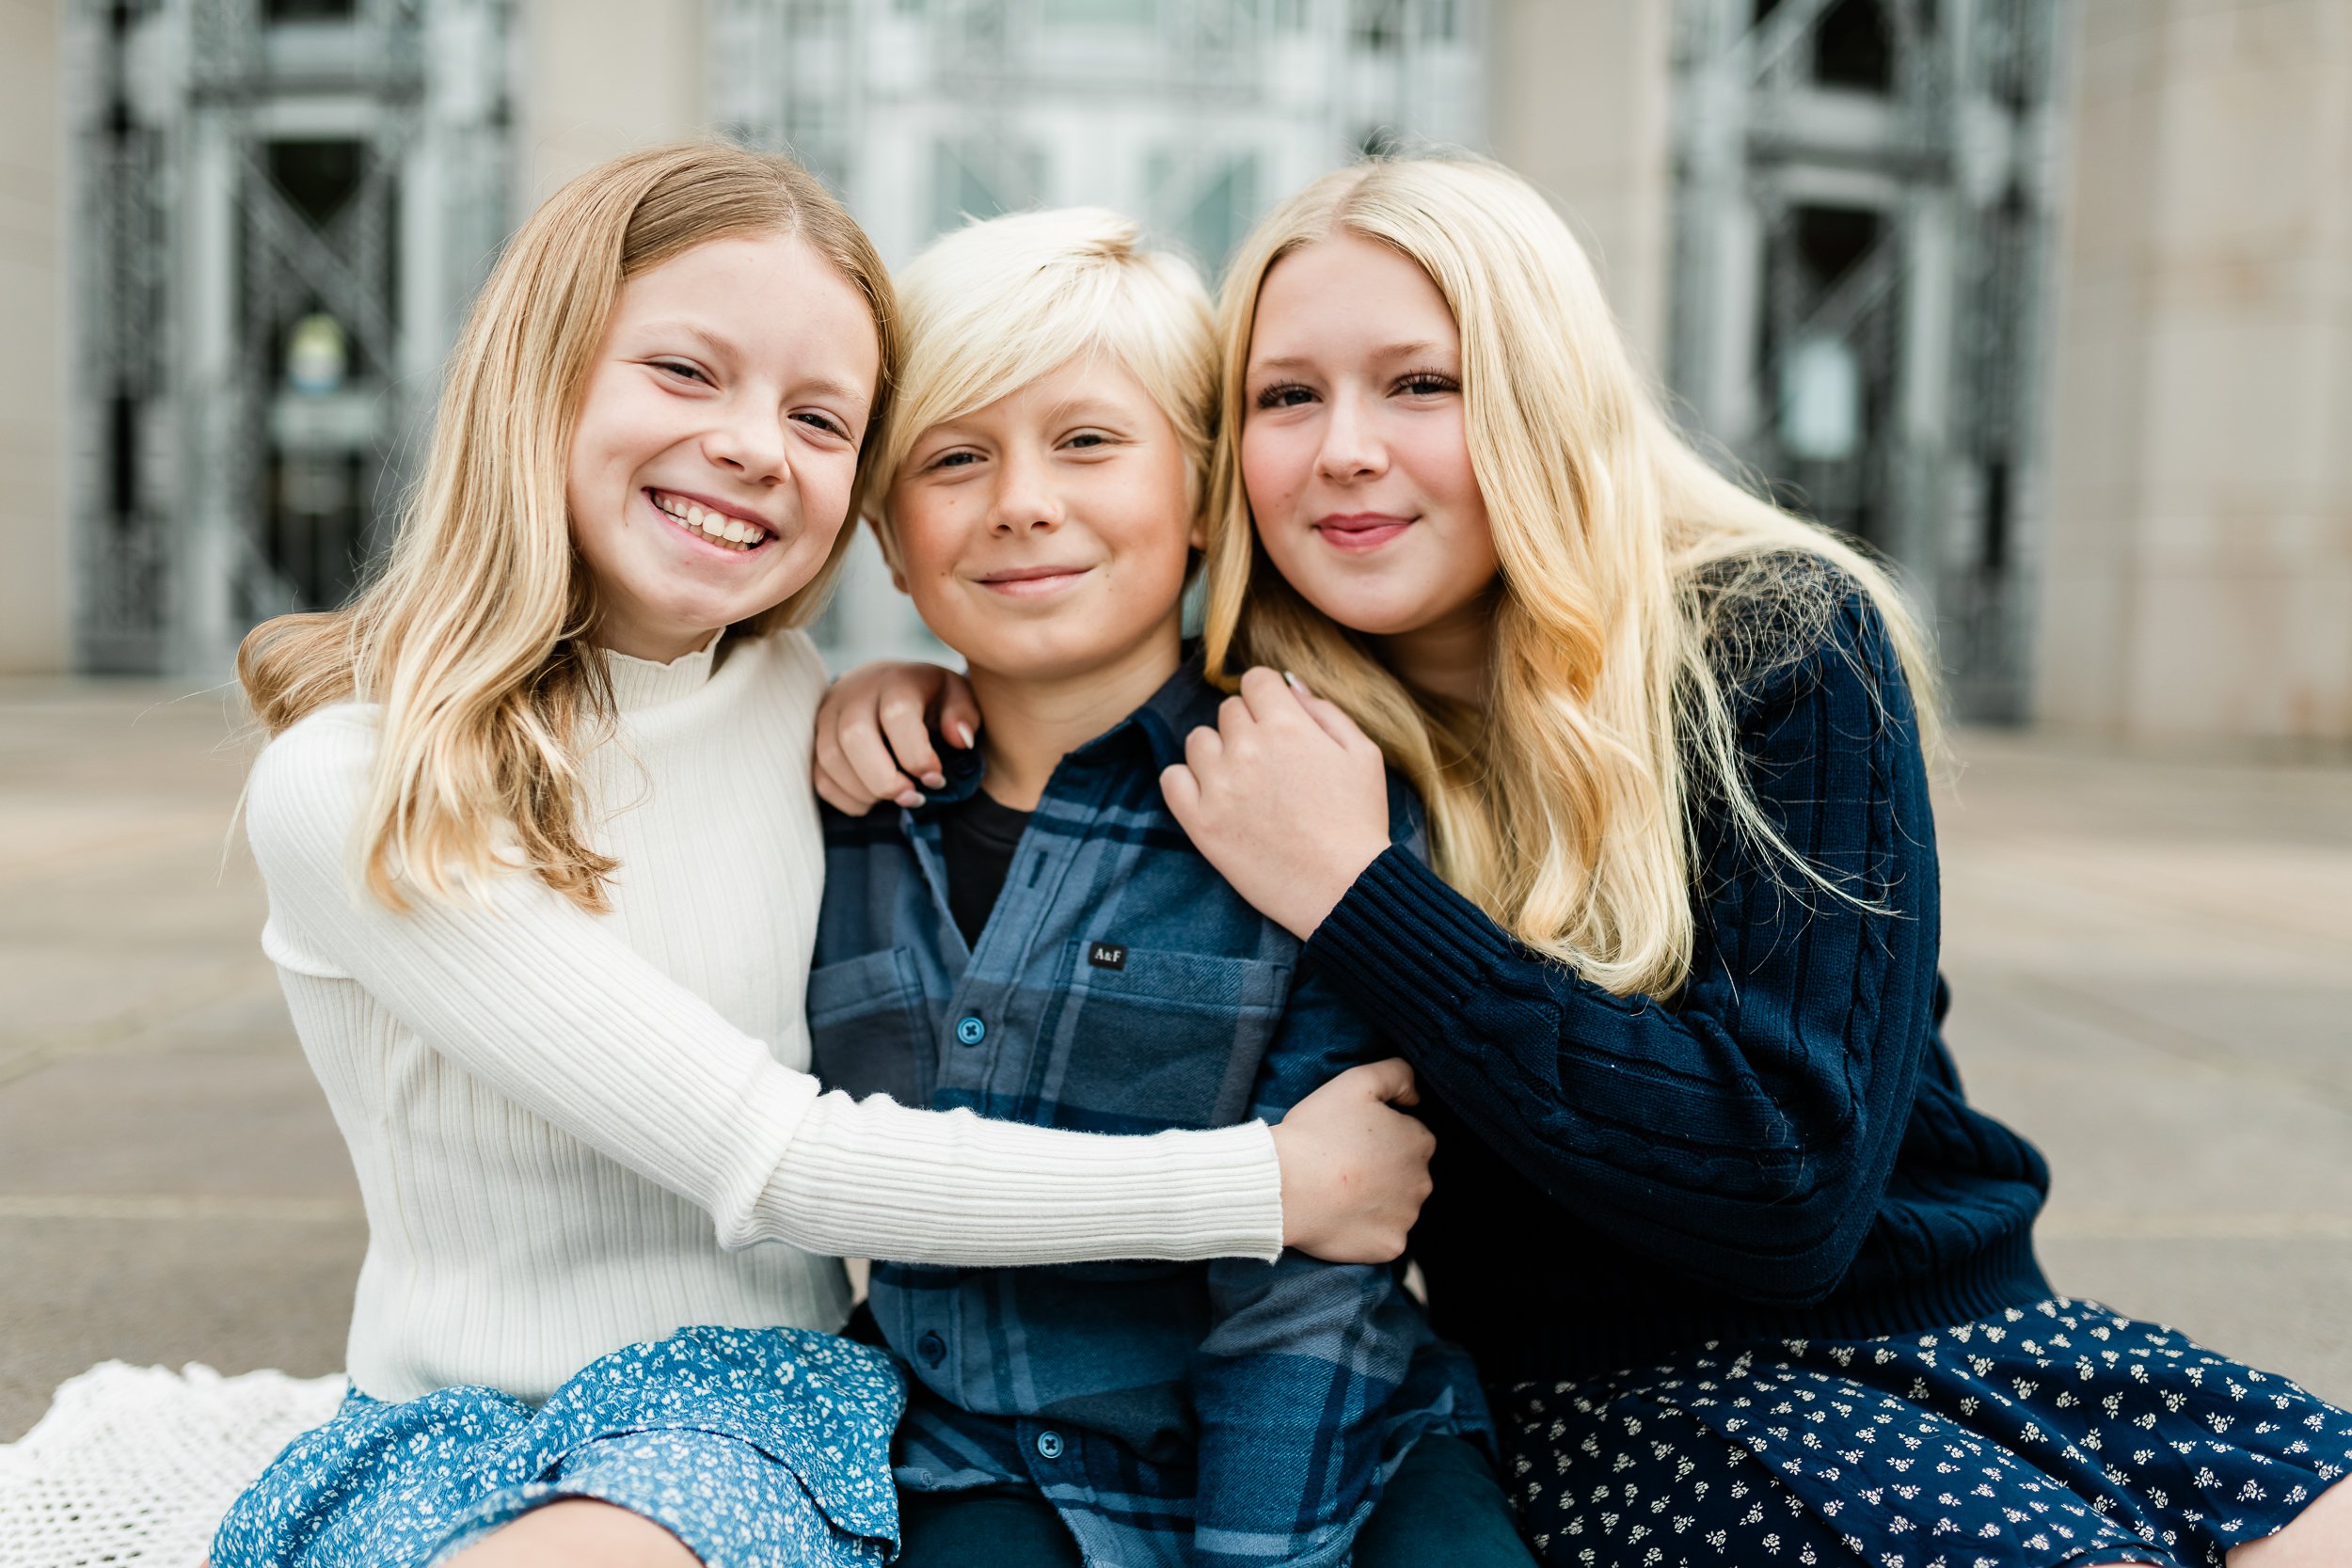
(1185,701)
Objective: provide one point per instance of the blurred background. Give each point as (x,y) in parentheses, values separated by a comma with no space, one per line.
(2049,300)
(2046,300)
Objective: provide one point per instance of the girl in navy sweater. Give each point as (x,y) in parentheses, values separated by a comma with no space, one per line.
(1751,1280)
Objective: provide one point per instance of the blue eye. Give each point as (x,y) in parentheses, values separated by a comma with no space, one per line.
(1429,384)
(680,369)
(1286,396)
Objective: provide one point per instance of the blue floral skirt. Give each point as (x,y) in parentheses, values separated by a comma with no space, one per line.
(754,1447)
(2056,1434)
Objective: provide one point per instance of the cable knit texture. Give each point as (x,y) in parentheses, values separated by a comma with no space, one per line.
(1782,1149)
(570,1129)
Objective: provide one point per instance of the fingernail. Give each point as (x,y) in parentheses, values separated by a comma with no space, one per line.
(935,781)
(910,800)
(963,735)
(1294,682)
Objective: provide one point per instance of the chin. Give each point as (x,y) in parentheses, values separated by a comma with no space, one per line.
(1050,653)
(1373,616)
(1033,663)
(715,613)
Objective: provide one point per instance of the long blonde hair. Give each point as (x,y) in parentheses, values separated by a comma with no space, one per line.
(473,636)
(1639,588)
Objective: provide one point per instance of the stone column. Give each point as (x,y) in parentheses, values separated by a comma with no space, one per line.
(36,608)
(1580,108)
(2197,582)
(209,529)
(601,77)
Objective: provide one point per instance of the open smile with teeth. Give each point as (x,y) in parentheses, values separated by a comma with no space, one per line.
(716,528)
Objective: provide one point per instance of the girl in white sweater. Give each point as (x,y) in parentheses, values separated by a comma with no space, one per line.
(543,872)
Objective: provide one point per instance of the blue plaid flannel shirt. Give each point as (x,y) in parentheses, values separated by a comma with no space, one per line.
(1227,1412)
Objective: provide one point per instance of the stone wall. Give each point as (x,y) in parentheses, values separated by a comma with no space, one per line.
(2199,558)
(35,603)
(600,78)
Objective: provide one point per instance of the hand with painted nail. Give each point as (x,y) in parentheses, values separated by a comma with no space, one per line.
(1286,797)
(875,730)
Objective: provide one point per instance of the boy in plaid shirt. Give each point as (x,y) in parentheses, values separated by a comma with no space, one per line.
(1038,941)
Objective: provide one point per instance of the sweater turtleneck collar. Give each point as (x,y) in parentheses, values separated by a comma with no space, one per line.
(640,683)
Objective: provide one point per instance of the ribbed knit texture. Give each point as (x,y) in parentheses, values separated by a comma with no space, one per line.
(1782,1149)
(570,1129)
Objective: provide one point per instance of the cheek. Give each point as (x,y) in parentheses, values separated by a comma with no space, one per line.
(1437,458)
(925,537)
(1164,546)
(1315,575)
(608,442)
(1437,450)
(1269,474)
(829,478)
(588,503)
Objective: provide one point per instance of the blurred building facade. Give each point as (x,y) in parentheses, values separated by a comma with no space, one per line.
(1865,206)
(1994,284)
(280,206)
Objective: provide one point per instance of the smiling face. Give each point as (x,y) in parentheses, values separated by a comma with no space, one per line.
(716,450)
(1045,536)
(1354,449)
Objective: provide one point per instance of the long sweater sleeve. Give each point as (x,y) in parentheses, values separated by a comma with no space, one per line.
(545,1006)
(1740,1133)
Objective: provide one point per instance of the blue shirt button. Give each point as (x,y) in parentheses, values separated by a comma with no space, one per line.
(970,1030)
(931,1348)
(1049,1445)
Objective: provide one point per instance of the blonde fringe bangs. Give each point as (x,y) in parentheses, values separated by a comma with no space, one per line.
(1000,303)
(473,636)
(1638,588)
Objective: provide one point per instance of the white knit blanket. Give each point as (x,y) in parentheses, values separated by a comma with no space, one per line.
(135,1465)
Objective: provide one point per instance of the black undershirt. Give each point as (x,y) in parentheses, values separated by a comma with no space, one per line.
(978,837)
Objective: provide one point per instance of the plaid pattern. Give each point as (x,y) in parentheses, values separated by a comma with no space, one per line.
(1227,1412)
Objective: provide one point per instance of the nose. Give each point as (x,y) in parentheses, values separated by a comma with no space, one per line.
(748,440)
(1024,499)
(1351,449)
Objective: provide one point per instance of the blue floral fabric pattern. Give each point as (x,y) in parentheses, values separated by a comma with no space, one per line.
(2060,1432)
(755,1446)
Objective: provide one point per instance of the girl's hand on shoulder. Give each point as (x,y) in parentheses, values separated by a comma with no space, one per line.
(1286,797)
(1355,1169)
(874,733)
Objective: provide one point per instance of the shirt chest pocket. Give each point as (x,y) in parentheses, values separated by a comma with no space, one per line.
(869,1032)
(1152,1038)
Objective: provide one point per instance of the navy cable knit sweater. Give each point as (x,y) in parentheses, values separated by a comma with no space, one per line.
(1782,1149)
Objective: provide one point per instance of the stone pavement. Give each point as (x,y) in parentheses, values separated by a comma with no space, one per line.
(2153,964)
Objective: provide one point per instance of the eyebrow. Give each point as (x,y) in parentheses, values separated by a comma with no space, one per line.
(1087,405)
(823,387)
(847,394)
(1417,349)
(702,335)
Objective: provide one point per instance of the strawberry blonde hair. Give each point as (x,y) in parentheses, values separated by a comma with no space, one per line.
(472,639)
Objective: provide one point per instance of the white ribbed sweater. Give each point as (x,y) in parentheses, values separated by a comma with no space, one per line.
(570,1130)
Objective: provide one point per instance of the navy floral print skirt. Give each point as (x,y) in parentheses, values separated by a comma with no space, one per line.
(754,1447)
(2055,1434)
